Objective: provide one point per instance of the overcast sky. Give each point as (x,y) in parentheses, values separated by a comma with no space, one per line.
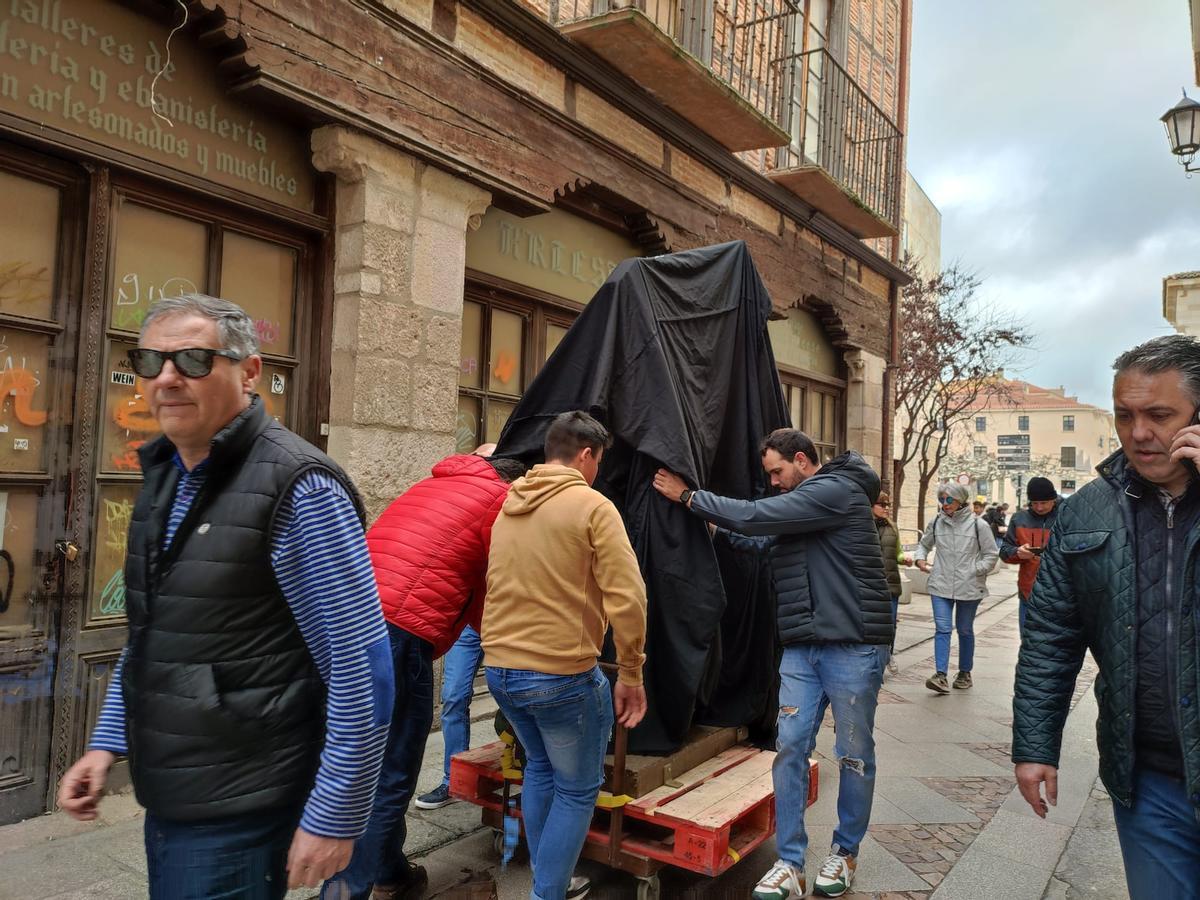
(1034,128)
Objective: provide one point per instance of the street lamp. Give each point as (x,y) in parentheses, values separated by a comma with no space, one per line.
(1182,122)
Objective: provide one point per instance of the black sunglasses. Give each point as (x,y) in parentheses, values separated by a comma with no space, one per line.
(192,362)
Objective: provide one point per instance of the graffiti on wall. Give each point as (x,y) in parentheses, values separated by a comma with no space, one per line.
(20,384)
(114,524)
(135,297)
(133,417)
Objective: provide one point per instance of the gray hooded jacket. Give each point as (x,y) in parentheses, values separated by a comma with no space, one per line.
(966,553)
(824,553)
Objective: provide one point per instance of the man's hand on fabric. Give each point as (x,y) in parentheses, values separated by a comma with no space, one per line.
(923,566)
(1023,552)
(312,859)
(669,484)
(1030,777)
(629,703)
(79,792)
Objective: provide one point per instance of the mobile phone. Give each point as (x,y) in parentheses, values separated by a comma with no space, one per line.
(1037,551)
(1187,463)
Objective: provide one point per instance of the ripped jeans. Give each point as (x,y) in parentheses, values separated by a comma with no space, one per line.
(812,677)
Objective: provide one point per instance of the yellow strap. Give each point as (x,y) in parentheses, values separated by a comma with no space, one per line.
(734,855)
(512,774)
(608,801)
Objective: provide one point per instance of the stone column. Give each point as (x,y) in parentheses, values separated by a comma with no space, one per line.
(864,406)
(400,253)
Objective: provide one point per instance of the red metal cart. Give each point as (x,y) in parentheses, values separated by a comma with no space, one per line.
(704,820)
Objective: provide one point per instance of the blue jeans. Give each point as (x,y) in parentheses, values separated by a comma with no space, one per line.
(241,857)
(847,678)
(1160,839)
(379,854)
(563,722)
(458,682)
(1023,602)
(963,614)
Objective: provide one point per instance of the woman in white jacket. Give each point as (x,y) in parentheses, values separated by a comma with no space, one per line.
(966,553)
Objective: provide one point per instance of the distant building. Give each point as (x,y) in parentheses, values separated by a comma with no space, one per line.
(1181,301)
(1067,439)
(921,229)
(1009,438)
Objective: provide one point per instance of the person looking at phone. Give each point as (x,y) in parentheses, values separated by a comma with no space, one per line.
(1119,578)
(1027,536)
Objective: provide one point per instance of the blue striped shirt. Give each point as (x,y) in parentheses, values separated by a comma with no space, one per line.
(319,556)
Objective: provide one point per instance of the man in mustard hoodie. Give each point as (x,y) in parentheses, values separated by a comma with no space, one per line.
(561,569)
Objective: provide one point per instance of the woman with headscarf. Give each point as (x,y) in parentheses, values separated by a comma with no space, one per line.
(965,554)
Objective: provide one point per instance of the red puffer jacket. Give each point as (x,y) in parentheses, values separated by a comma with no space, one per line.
(430,550)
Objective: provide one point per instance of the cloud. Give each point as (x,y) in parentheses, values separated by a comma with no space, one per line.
(1034,128)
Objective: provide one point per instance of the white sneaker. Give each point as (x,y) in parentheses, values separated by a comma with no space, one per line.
(578,887)
(783,882)
(836,875)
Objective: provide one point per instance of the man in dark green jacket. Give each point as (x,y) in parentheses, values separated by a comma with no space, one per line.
(1119,579)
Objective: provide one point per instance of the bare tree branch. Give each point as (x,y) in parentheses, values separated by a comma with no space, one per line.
(953,349)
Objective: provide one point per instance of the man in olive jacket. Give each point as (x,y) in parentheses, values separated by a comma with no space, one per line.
(1119,579)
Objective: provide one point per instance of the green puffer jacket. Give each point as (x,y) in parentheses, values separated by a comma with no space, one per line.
(1085,598)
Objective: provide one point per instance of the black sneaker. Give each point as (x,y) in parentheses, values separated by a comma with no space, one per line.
(578,887)
(413,887)
(435,799)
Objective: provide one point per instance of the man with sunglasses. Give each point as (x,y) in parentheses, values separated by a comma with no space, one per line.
(254,693)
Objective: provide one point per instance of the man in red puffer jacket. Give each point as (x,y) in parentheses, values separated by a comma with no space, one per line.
(430,553)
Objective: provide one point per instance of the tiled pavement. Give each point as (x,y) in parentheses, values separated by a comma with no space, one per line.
(946,821)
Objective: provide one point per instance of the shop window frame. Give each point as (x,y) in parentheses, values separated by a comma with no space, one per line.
(815,384)
(537,308)
(304,360)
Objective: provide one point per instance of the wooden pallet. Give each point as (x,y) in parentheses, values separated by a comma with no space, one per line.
(703,821)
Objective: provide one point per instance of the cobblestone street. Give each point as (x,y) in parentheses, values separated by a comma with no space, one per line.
(947,822)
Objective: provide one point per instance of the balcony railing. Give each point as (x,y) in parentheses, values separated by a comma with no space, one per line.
(720,63)
(836,127)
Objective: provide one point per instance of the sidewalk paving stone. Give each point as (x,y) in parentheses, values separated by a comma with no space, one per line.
(945,822)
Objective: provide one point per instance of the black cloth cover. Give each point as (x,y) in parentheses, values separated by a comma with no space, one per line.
(672,355)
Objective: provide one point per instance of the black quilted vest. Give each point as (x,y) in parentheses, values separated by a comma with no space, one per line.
(224,705)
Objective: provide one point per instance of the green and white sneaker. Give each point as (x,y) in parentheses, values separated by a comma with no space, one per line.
(783,882)
(836,875)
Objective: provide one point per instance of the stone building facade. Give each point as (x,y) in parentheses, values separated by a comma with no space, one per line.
(414,199)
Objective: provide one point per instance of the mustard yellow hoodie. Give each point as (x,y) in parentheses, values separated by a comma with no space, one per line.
(559,570)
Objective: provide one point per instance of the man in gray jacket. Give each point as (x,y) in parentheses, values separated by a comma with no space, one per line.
(835,623)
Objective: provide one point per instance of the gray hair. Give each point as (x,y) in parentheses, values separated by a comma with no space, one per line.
(235,329)
(1171,352)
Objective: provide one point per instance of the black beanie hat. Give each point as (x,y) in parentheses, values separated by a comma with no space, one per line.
(1040,489)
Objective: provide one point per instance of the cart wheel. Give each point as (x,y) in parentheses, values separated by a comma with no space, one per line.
(649,888)
(498,841)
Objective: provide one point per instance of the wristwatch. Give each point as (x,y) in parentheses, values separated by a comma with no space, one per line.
(686,496)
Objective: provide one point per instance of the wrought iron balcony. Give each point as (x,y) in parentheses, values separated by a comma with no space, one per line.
(844,154)
(718,63)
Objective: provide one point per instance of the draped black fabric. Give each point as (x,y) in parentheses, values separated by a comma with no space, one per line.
(672,355)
